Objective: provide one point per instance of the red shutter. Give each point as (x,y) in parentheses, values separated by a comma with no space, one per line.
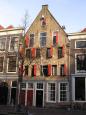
(63,50)
(49,69)
(35,70)
(26,41)
(65,69)
(56,37)
(33,51)
(51,51)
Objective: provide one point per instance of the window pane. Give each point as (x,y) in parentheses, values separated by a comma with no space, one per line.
(13,43)
(37,53)
(81,62)
(60,52)
(2,43)
(43,39)
(80,44)
(12,64)
(31,40)
(54,69)
(1,63)
(63,91)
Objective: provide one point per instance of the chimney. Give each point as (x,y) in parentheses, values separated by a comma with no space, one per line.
(45,6)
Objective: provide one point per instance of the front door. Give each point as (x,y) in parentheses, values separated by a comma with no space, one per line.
(29,97)
(80,88)
(39,98)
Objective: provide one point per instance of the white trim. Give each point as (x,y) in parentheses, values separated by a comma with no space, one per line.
(73,89)
(67,91)
(77,41)
(3,63)
(11,37)
(47,93)
(76,71)
(8,64)
(41,90)
(5,42)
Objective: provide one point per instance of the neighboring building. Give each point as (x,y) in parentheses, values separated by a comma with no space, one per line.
(46,75)
(9,43)
(78,66)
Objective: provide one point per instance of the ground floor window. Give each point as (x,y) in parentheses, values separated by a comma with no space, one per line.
(51,95)
(63,91)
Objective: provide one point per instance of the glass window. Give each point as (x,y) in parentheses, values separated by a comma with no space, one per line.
(54,70)
(39,85)
(2,44)
(60,55)
(51,92)
(31,40)
(1,63)
(44,70)
(30,85)
(13,43)
(43,39)
(37,53)
(81,44)
(62,73)
(12,64)
(63,91)
(81,62)
(48,52)
(28,53)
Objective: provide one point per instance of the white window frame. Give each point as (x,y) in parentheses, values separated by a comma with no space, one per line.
(10,42)
(77,41)
(67,91)
(8,64)
(48,95)
(76,71)
(5,43)
(3,64)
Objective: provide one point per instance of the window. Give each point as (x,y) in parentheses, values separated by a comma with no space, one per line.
(55,38)
(43,39)
(63,91)
(31,40)
(81,44)
(37,53)
(60,54)
(2,44)
(81,62)
(54,70)
(1,63)
(28,53)
(39,85)
(26,70)
(62,73)
(13,43)
(11,64)
(44,70)
(51,92)
(30,85)
(48,52)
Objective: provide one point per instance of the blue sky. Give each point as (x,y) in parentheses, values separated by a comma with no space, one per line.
(71,13)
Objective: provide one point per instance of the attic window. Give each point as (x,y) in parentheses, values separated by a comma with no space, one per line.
(43,20)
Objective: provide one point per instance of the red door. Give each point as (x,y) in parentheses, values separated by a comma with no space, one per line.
(29,97)
(22,97)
